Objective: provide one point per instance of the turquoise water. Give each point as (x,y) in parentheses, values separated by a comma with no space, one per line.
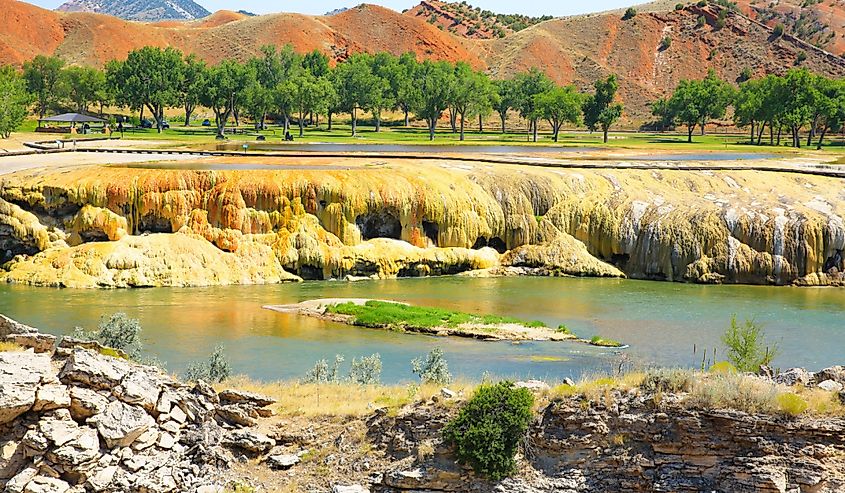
(661,321)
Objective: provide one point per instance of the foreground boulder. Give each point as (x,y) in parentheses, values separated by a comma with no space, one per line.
(76,420)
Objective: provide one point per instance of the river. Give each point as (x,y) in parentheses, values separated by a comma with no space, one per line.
(662,322)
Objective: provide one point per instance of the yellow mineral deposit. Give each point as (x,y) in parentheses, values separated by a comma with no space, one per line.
(114,226)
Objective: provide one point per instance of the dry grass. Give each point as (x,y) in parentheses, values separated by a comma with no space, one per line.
(342,399)
(6,347)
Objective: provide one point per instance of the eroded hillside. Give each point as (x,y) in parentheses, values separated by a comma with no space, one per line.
(577,49)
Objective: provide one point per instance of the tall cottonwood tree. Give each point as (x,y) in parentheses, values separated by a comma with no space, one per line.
(149,77)
(600,110)
(42,75)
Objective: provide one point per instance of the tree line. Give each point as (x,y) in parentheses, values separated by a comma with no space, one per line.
(290,87)
(795,102)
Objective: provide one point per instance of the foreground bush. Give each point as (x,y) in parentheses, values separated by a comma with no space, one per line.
(215,369)
(433,369)
(488,430)
(118,332)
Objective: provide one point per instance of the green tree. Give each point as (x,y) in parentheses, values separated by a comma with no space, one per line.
(191,84)
(470,94)
(696,102)
(748,108)
(663,111)
(357,87)
(403,86)
(559,105)
(505,99)
(14,100)
(747,349)
(42,75)
(226,86)
(599,109)
(434,80)
(526,86)
(316,63)
(82,86)
(309,94)
(148,78)
(800,96)
(383,65)
(833,110)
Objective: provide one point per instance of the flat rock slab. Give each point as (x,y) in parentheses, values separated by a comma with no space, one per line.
(120,424)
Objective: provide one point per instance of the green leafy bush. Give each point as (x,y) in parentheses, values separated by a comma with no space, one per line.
(487,432)
(434,369)
(747,349)
(629,14)
(215,369)
(118,331)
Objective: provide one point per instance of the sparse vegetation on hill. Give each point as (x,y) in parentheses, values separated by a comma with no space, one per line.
(462,19)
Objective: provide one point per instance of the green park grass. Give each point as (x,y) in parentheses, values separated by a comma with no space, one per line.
(197,136)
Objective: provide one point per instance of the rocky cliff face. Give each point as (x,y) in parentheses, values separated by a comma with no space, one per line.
(624,442)
(110,226)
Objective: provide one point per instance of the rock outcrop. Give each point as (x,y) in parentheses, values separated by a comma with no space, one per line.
(76,421)
(121,227)
(627,442)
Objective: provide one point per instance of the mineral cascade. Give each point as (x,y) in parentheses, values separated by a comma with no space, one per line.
(121,227)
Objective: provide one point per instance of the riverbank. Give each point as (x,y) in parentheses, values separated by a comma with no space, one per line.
(402,317)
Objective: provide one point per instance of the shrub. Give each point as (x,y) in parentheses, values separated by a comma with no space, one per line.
(668,380)
(791,404)
(700,22)
(679,6)
(563,329)
(778,31)
(602,342)
(722,367)
(629,14)
(734,391)
(802,56)
(746,74)
(215,369)
(487,432)
(434,369)
(321,373)
(366,371)
(665,43)
(747,350)
(118,331)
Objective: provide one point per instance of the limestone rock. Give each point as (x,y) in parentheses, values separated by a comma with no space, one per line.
(249,440)
(835,373)
(830,386)
(43,484)
(12,327)
(83,448)
(94,370)
(85,403)
(352,488)
(12,457)
(533,385)
(102,479)
(120,424)
(51,396)
(282,461)
(236,415)
(18,483)
(138,387)
(20,376)
(794,376)
(243,397)
(40,343)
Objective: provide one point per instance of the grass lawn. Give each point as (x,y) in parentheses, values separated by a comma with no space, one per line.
(378,314)
(204,137)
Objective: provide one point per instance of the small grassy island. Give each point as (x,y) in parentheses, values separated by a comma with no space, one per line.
(402,317)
